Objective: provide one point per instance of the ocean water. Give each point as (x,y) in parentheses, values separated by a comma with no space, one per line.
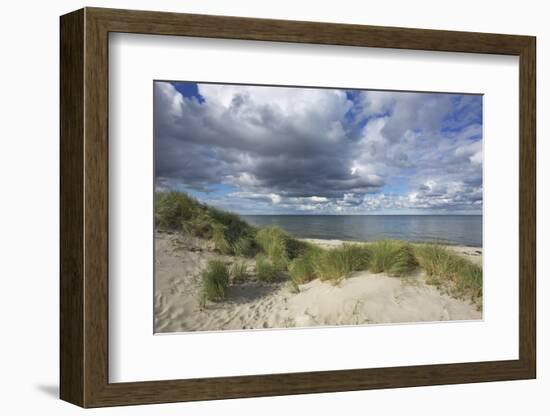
(447,229)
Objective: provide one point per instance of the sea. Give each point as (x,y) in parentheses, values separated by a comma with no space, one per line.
(465,230)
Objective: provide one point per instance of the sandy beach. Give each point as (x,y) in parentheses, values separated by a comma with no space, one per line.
(362,298)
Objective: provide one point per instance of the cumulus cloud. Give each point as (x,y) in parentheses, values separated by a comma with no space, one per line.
(256,149)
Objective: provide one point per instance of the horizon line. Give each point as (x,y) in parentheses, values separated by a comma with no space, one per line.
(364,215)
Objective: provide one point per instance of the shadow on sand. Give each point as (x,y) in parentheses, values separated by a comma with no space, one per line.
(247,292)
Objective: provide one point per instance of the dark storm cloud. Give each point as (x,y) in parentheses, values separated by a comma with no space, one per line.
(324,150)
(294,155)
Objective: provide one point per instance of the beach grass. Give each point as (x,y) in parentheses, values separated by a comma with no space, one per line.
(278,245)
(405,261)
(273,242)
(448,269)
(234,228)
(245,245)
(337,263)
(215,280)
(302,268)
(177,211)
(395,258)
(238,271)
(329,264)
(200,225)
(220,241)
(266,270)
(172,208)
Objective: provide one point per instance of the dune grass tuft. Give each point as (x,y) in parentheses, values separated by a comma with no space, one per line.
(173,208)
(272,241)
(266,270)
(200,225)
(279,246)
(220,240)
(302,268)
(337,263)
(238,271)
(395,258)
(445,268)
(177,211)
(245,246)
(405,261)
(235,228)
(215,280)
(470,281)
(382,254)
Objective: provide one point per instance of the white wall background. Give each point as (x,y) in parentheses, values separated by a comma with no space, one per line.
(29,159)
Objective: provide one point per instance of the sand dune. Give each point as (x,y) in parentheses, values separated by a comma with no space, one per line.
(362,298)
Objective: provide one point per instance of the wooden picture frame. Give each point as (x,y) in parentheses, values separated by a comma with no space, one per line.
(84,207)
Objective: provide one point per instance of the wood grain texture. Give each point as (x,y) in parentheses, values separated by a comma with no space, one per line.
(96,208)
(225,27)
(84,207)
(527,207)
(71,208)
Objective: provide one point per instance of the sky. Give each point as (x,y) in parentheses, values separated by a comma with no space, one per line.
(293,150)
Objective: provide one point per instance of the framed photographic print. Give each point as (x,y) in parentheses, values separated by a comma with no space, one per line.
(255,207)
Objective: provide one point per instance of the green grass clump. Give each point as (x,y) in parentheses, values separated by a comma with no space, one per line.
(337,263)
(395,258)
(215,280)
(279,246)
(234,227)
(245,246)
(266,270)
(173,208)
(295,248)
(230,233)
(238,270)
(200,225)
(177,211)
(382,254)
(470,281)
(220,240)
(446,268)
(437,261)
(272,241)
(302,268)
(404,262)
